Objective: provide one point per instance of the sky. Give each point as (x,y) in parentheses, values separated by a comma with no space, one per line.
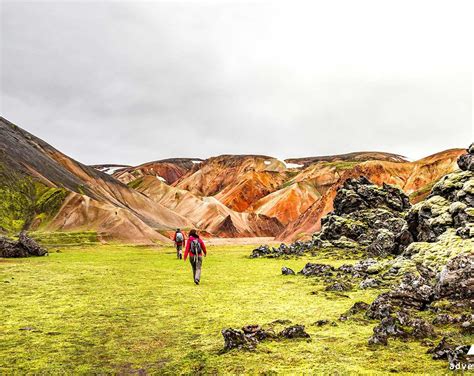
(131,82)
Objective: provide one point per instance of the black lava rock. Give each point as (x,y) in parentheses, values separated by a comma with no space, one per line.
(447,350)
(321,322)
(466,161)
(236,339)
(359,194)
(287,271)
(339,286)
(311,269)
(295,331)
(297,248)
(24,247)
(367,216)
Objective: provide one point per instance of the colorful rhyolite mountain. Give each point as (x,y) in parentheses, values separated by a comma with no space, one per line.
(227,196)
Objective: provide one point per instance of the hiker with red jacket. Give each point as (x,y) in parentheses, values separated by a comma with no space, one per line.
(195,249)
(179,241)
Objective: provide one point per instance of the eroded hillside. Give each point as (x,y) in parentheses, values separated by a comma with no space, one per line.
(92,200)
(227,195)
(296,192)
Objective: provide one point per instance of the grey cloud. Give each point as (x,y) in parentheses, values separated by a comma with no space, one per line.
(132,82)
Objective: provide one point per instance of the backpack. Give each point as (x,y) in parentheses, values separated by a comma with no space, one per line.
(179,237)
(196,247)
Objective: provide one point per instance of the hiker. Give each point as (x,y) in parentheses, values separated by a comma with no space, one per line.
(195,248)
(179,241)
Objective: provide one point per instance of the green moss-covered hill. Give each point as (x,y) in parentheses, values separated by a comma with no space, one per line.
(26,203)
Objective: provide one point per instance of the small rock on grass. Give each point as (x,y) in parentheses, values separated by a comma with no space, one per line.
(281,322)
(29,328)
(355,309)
(251,335)
(236,339)
(311,269)
(369,283)
(450,351)
(295,331)
(339,286)
(321,322)
(287,271)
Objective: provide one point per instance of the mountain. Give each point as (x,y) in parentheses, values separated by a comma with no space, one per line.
(240,181)
(252,183)
(297,192)
(361,156)
(207,213)
(110,169)
(222,174)
(90,200)
(226,196)
(288,203)
(414,178)
(169,170)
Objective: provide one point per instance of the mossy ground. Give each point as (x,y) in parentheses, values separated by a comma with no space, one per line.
(59,238)
(26,202)
(341,165)
(121,309)
(421,194)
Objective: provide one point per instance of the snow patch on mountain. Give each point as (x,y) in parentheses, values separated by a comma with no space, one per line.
(291,165)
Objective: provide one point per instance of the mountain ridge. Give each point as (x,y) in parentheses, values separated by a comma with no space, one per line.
(28,156)
(225,195)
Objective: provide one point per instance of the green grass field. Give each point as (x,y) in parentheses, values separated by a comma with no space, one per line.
(134,310)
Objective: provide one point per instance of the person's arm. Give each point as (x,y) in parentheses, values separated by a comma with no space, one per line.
(188,244)
(174,237)
(203,246)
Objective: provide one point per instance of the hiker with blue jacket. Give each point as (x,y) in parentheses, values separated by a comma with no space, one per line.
(195,248)
(179,241)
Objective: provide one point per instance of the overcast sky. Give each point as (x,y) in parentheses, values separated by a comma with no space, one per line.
(130,82)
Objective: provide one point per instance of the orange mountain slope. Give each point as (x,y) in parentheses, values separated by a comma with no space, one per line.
(412,177)
(249,188)
(81,213)
(288,203)
(226,171)
(207,213)
(297,192)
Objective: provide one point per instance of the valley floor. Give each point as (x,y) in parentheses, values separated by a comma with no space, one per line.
(133,310)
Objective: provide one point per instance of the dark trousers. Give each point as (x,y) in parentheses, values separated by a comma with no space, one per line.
(196,263)
(179,253)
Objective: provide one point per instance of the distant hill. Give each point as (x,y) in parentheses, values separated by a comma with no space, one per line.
(227,195)
(110,169)
(414,178)
(90,199)
(169,170)
(361,156)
